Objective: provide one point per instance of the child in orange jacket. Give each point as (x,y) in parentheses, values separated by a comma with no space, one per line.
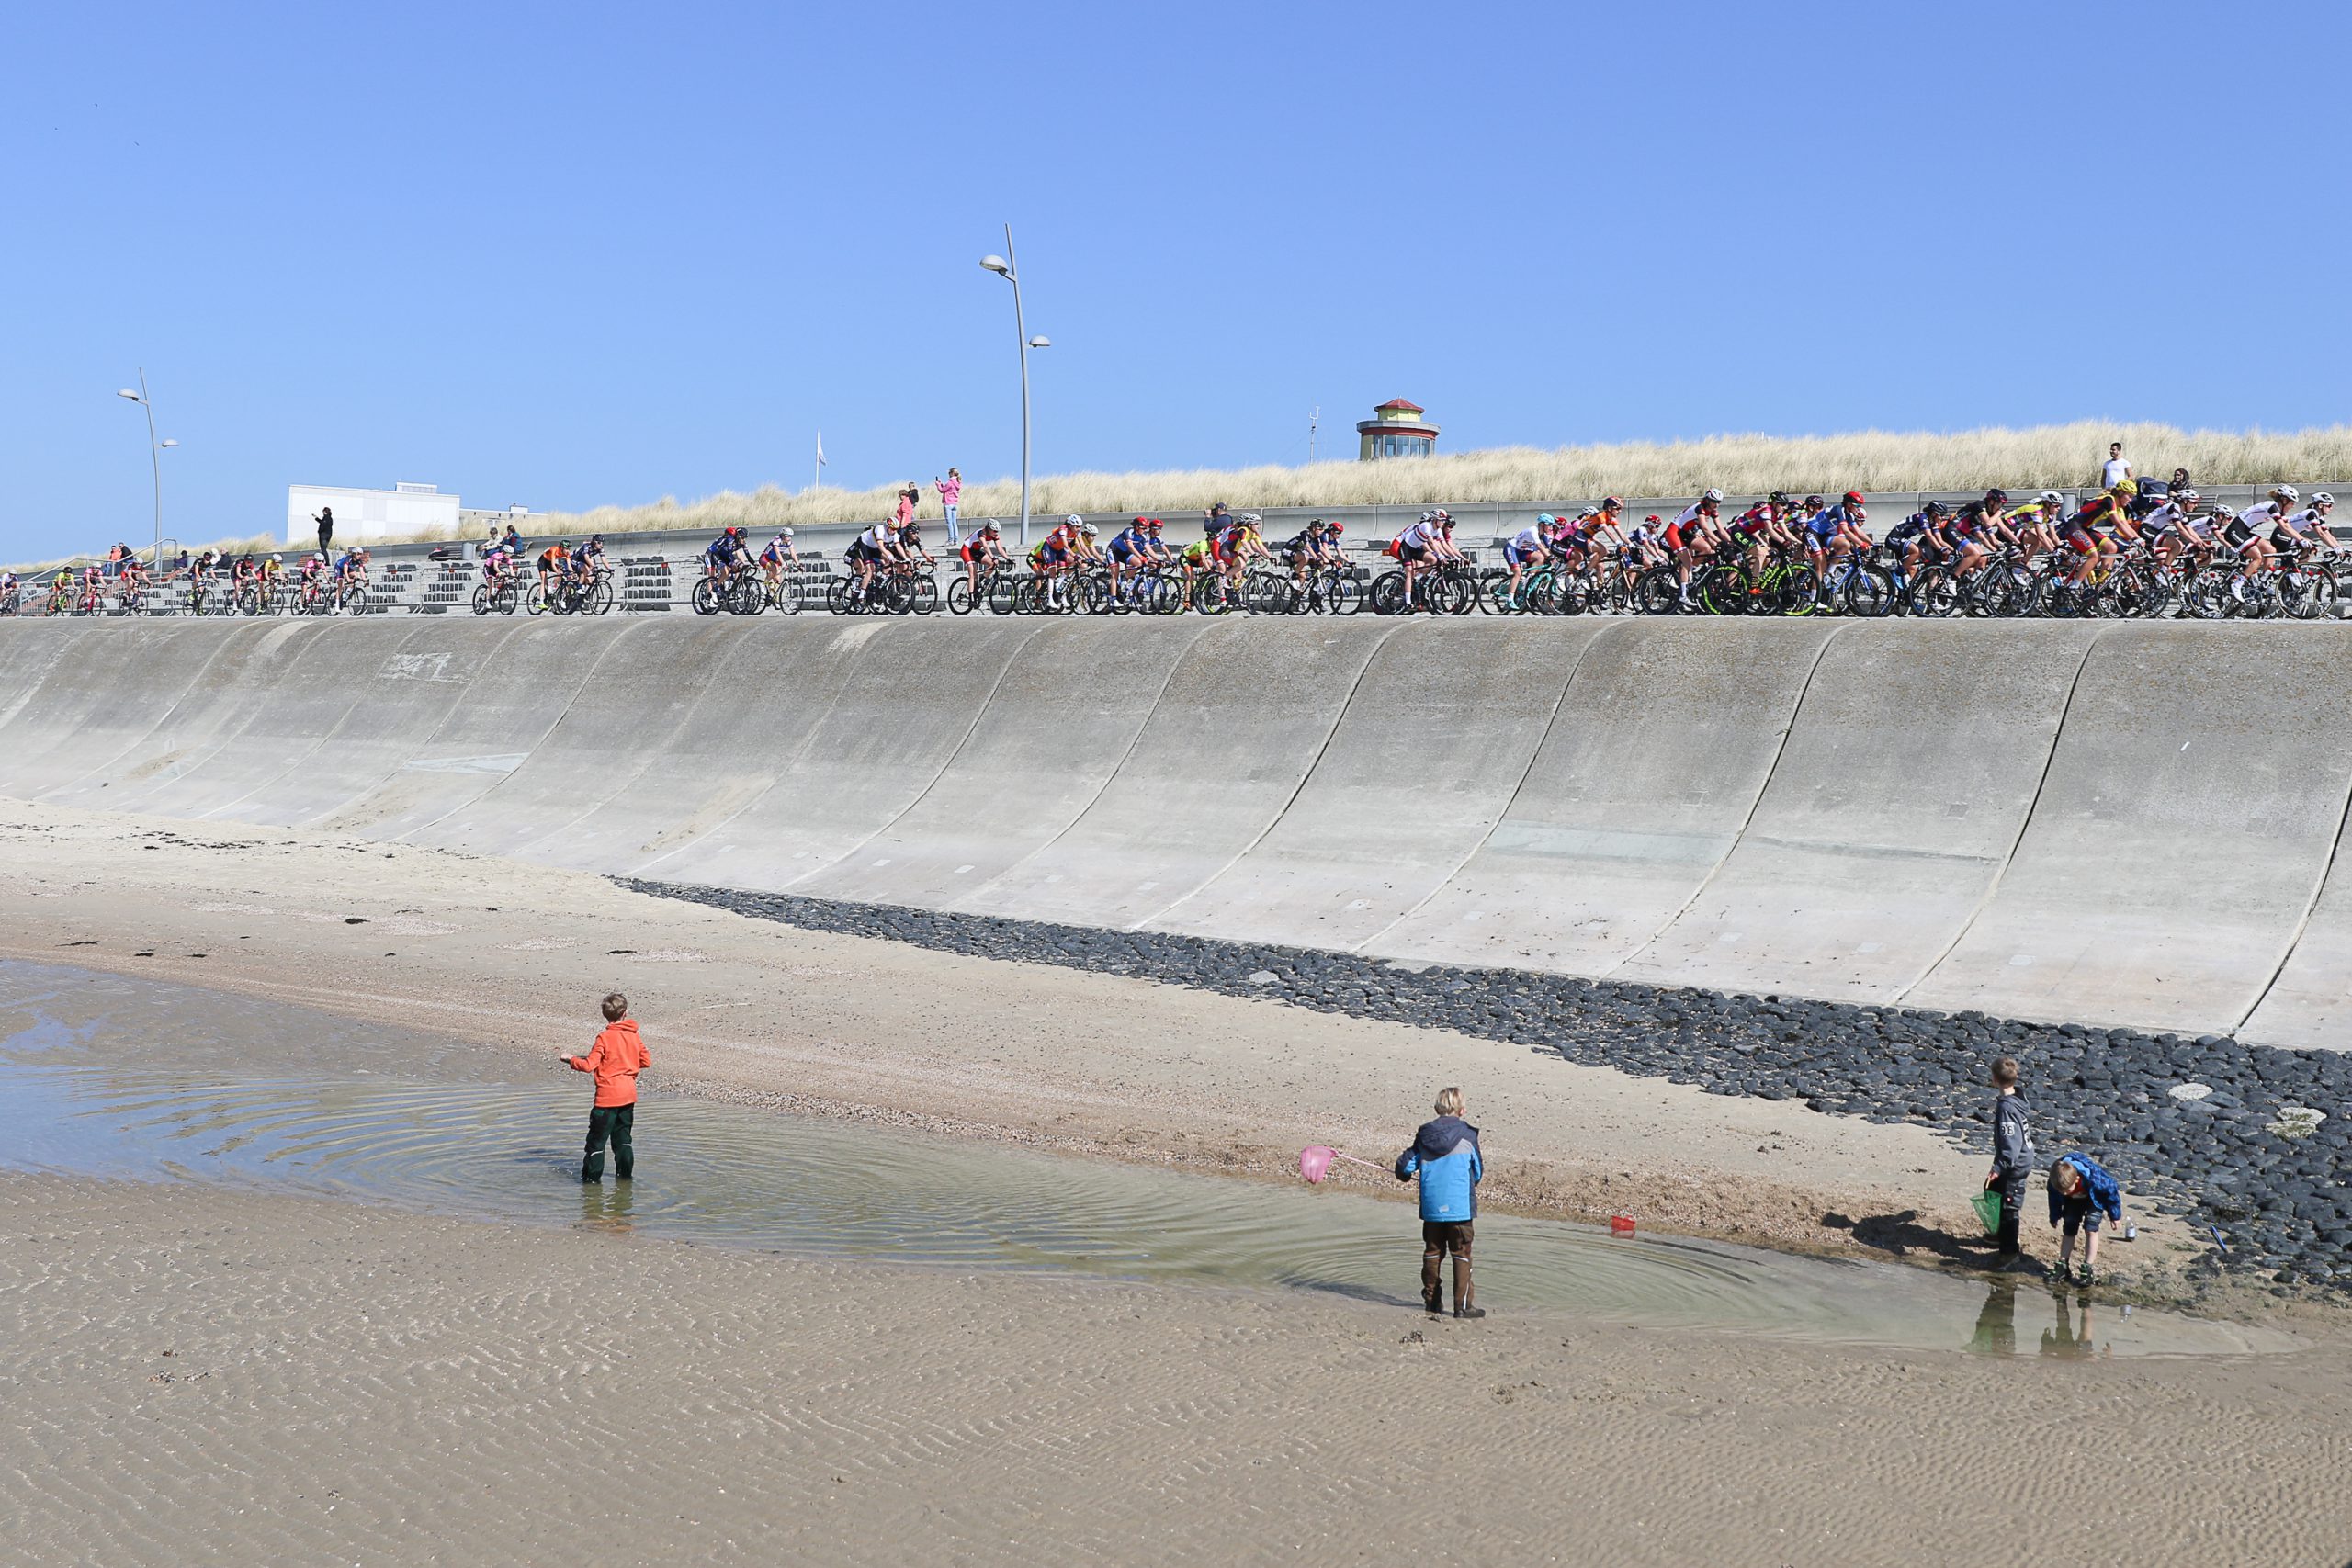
(615,1059)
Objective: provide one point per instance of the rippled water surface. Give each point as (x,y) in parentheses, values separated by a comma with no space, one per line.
(135,1079)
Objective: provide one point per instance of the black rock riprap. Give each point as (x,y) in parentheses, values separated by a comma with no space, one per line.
(2279,1200)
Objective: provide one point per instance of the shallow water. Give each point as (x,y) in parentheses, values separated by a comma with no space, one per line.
(135,1079)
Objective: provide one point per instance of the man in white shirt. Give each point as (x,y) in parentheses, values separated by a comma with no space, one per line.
(2117,469)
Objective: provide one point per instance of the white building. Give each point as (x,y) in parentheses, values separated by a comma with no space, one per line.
(366,516)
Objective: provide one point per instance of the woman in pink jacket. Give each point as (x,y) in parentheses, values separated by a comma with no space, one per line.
(951,495)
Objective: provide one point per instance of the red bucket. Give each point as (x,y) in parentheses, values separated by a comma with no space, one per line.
(1620,1224)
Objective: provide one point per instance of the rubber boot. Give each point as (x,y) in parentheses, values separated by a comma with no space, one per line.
(1464,1307)
(1432,1286)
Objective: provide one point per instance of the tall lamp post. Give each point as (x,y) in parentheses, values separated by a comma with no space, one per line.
(154,461)
(1003,267)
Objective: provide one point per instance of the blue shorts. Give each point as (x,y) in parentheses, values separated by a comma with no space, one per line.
(1121,553)
(1514,555)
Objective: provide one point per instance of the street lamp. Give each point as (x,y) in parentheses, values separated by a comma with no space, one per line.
(1003,267)
(155,459)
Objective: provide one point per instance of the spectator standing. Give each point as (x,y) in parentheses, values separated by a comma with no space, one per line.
(1445,1157)
(2117,469)
(951,496)
(615,1059)
(2013,1161)
(325,520)
(908,495)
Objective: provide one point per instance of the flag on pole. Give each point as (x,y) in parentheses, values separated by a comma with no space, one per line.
(820,448)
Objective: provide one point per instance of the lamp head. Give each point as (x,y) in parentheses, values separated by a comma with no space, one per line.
(167,442)
(1041,341)
(998,264)
(127,393)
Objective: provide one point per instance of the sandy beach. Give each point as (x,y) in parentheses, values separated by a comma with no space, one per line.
(196,1373)
(511,955)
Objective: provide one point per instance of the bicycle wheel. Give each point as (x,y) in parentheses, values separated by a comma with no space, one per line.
(535,603)
(355,599)
(705,598)
(1003,594)
(959,597)
(600,597)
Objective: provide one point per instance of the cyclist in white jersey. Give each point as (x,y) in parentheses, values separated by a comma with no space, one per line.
(2171,527)
(2249,535)
(1694,537)
(871,549)
(1429,540)
(1532,545)
(2309,526)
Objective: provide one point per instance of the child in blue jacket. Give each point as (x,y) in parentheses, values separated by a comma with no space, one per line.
(1445,1157)
(2079,1189)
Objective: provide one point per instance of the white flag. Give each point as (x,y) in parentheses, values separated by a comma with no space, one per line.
(820,448)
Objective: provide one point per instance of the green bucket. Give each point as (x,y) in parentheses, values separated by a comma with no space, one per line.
(1987,1206)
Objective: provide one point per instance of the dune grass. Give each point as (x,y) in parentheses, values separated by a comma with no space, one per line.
(2060,456)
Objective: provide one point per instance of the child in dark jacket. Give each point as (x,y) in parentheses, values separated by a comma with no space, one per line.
(2013,1161)
(1445,1157)
(2079,1190)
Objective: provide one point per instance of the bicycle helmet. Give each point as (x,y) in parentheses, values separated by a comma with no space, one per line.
(2190,497)
(1429,516)
(1151,525)
(1075,521)
(1996,498)
(1250,519)
(279,560)
(1815,502)
(785,535)
(2051,498)
(2321,498)
(1087,529)
(2285,493)
(1779,497)
(993,530)
(1936,509)
(1612,504)
(1337,528)
(1588,509)
(1445,518)
(1712,494)
(1545,520)
(1851,497)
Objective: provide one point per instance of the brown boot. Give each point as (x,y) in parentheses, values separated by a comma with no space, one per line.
(1462,1305)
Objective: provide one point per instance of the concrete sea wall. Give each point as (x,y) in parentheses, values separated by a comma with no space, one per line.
(2117,824)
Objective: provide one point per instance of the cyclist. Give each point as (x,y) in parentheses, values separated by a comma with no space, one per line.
(1304,550)
(555,564)
(1532,545)
(2089,533)
(2312,517)
(1237,546)
(350,570)
(1050,556)
(202,570)
(1910,536)
(10,592)
(1692,537)
(588,562)
(61,590)
(867,552)
(1760,528)
(1975,530)
(983,548)
(1598,522)
(1130,547)
(2034,525)
(1830,532)
(497,565)
(2169,524)
(1430,540)
(779,550)
(2249,534)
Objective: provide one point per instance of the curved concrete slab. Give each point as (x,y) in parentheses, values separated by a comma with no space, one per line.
(1054,731)
(29,652)
(374,725)
(1431,748)
(1238,725)
(86,710)
(1640,789)
(911,699)
(2197,791)
(251,665)
(1907,777)
(644,678)
(766,693)
(528,674)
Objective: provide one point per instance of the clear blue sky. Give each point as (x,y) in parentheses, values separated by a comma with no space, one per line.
(566,254)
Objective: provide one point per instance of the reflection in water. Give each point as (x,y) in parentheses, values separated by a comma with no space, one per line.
(1996,1321)
(604,1207)
(265,1095)
(2075,1337)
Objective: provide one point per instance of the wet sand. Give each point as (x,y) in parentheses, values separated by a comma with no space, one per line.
(201,1376)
